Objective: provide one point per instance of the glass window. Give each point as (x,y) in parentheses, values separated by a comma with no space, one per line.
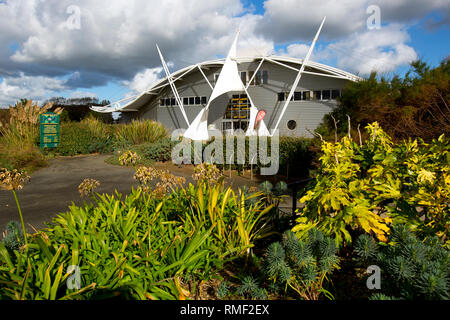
(244,77)
(335,94)
(197,100)
(306,95)
(325,94)
(291,124)
(318,95)
(258,78)
(162,102)
(281,96)
(203,100)
(173,102)
(297,96)
(186,101)
(191,100)
(167,102)
(265,77)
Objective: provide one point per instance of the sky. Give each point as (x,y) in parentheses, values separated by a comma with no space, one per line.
(106,48)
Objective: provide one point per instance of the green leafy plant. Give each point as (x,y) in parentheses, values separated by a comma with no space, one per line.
(410,268)
(366,186)
(302,266)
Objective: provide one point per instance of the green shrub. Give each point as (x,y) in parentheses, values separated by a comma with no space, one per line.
(13,236)
(136,247)
(87,136)
(140,131)
(410,268)
(367,187)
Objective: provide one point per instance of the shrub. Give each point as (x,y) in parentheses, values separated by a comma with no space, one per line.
(138,132)
(13,236)
(301,265)
(363,187)
(135,247)
(410,268)
(87,136)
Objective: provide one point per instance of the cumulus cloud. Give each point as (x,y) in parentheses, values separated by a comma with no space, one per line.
(143,80)
(380,50)
(294,20)
(36,87)
(115,41)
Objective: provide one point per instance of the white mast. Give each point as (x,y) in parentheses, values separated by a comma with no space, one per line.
(299,75)
(172,85)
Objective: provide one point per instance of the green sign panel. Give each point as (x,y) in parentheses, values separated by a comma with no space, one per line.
(49,123)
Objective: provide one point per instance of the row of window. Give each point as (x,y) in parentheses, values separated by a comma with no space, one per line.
(329,94)
(261,77)
(187,101)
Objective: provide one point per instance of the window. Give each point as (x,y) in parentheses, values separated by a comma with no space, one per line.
(306,95)
(173,102)
(203,100)
(185,101)
(335,94)
(167,102)
(197,100)
(191,100)
(280,96)
(291,124)
(162,102)
(297,95)
(265,76)
(258,78)
(317,95)
(244,77)
(325,94)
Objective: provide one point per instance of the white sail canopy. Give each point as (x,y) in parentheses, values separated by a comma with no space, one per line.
(227,82)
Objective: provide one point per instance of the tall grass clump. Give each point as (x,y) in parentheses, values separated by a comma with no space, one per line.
(140,131)
(20,136)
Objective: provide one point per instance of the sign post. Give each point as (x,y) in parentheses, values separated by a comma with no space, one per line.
(49,130)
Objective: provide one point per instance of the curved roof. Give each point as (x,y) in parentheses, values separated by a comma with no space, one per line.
(136,102)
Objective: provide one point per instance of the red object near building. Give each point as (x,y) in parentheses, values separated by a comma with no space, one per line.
(261,114)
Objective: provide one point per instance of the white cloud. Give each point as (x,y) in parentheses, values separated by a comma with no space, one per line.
(116,39)
(83,94)
(143,80)
(380,50)
(36,87)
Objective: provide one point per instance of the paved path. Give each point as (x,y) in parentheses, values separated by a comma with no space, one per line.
(52,189)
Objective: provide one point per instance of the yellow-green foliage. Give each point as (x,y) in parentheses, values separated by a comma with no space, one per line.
(138,132)
(135,247)
(369,186)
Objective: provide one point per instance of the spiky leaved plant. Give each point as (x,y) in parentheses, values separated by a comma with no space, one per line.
(301,265)
(13,236)
(410,268)
(251,288)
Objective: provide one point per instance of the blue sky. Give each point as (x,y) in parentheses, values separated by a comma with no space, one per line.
(106,48)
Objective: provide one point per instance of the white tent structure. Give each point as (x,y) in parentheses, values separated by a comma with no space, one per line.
(228,82)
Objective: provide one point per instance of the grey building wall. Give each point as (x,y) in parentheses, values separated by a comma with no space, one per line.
(307,114)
